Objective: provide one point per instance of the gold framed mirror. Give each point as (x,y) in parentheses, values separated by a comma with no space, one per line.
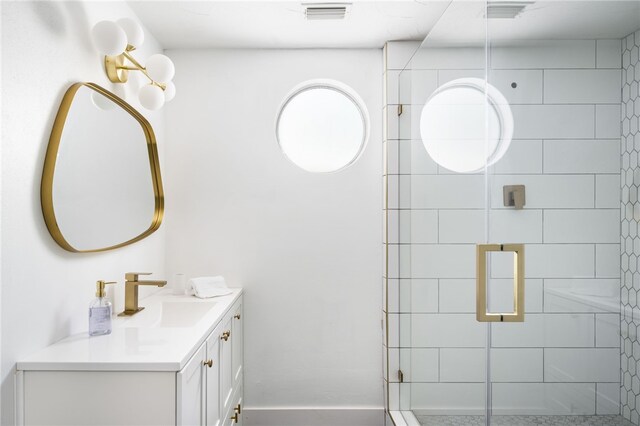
(101,187)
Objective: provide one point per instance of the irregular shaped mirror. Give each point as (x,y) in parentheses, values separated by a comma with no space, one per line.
(101,185)
(466,125)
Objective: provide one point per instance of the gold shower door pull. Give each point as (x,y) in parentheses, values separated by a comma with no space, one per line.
(518,283)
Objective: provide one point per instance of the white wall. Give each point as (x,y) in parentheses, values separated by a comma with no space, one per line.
(45,290)
(306,247)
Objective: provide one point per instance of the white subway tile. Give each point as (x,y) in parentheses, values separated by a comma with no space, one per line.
(392,157)
(550,261)
(608,330)
(445,76)
(398,53)
(423,84)
(608,191)
(546,191)
(582,156)
(392,122)
(523,157)
(546,330)
(607,398)
(447,330)
(516,365)
(608,260)
(501,295)
(405,396)
(515,226)
(543,398)
(457,295)
(433,58)
(393,226)
(405,261)
(608,54)
(392,295)
(448,398)
(582,226)
(423,365)
(394,363)
(600,86)
(461,226)
(582,365)
(553,121)
(448,192)
(528,83)
(398,192)
(394,396)
(423,226)
(581,295)
(462,365)
(404,330)
(443,261)
(414,159)
(393,261)
(393,326)
(408,122)
(391,86)
(545,54)
(607,121)
(424,295)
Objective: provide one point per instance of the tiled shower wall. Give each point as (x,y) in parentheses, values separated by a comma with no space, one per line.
(565,358)
(630,239)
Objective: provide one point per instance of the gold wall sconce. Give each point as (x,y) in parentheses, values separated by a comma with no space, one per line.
(116,40)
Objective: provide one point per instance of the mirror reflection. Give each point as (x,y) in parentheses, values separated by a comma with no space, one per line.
(101,186)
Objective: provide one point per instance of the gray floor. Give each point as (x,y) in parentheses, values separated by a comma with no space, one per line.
(524,421)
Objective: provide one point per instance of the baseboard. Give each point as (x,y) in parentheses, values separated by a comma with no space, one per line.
(313,416)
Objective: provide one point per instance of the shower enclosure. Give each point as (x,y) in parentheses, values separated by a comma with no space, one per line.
(512,212)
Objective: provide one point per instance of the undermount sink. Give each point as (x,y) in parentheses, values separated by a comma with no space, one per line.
(171,314)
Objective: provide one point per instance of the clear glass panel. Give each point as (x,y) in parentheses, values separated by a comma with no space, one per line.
(442,151)
(562,366)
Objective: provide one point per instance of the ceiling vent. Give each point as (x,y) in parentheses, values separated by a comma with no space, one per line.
(324,11)
(506,9)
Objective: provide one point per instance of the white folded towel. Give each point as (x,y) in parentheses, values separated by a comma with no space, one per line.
(205,287)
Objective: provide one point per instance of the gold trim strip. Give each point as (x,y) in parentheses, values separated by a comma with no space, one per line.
(518,283)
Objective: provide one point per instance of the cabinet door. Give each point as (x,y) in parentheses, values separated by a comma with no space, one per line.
(190,381)
(214,417)
(237,342)
(226,367)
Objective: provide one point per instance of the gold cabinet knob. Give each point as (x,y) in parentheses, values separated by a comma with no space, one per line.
(238,409)
(237,316)
(208,363)
(225,335)
(235,418)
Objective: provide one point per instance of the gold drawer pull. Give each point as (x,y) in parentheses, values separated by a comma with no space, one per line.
(237,316)
(208,363)
(225,335)
(518,283)
(235,418)
(238,409)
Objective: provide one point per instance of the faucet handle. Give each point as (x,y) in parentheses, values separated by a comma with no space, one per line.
(133,276)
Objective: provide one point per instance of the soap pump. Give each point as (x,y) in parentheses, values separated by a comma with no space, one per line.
(100,311)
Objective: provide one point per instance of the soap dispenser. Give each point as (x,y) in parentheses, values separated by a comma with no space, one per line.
(100,311)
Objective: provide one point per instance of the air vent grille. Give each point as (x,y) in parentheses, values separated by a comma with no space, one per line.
(506,9)
(322,11)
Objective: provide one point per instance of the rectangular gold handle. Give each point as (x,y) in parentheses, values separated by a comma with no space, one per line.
(518,283)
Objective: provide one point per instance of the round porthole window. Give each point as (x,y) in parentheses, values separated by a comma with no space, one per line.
(322,126)
(466,125)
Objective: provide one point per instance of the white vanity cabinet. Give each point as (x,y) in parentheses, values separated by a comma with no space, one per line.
(141,375)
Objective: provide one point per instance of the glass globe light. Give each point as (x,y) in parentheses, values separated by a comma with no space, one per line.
(133,30)
(169,91)
(102,102)
(151,97)
(160,68)
(109,38)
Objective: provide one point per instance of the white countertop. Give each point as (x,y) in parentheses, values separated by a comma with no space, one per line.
(163,337)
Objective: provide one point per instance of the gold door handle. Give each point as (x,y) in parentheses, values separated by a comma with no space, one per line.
(518,283)
(235,418)
(238,409)
(237,316)
(225,335)
(208,363)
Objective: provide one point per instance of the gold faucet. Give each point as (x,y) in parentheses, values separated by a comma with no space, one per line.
(131,292)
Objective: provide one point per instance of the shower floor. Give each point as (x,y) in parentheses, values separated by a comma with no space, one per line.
(613,420)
